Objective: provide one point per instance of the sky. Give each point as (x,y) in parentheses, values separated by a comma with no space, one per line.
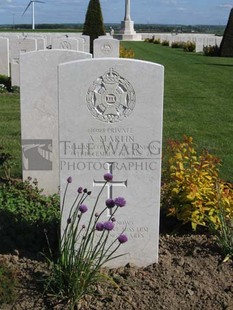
(185,12)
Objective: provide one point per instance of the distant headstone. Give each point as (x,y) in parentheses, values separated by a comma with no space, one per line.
(41,43)
(21,45)
(165,37)
(86,40)
(81,44)
(226,47)
(211,41)
(39,114)
(41,39)
(199,44)
(14,72)
(110,120)
(218,41)
(18,46)
(4,56)
(106,47)
(173,38)
(68,44)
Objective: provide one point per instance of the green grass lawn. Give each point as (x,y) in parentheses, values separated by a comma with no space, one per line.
(10,129)
(198,98)
(198,102)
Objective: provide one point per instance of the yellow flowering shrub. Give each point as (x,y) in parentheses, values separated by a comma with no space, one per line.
(192,189)
(126,53)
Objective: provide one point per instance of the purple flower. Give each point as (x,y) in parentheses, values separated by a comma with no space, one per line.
(110,203)
(108,177)
(120,202)
(122,238)
(69,180)
(83,208)
(108,225)
(80,190)
(113,219)
(99,226)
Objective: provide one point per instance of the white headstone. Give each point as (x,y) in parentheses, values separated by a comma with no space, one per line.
(110,120)
(165,37)
(106,47)
(40,38)
(4,56)
(10,35)
(211,41)
(14,71)
(18,46)
(218,41)
(21,45)
(41,43)
(86,40)
(39,114)
(81,44)
(199,44)
(65,44)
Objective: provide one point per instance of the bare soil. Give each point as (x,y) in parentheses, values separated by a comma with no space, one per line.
(190,275)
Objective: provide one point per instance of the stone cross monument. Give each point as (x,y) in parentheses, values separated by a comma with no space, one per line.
(127,10)
(127,31)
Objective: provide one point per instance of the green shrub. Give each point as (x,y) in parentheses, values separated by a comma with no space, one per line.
(189,46)
(6,81)
(150,40)
(24,215)
(192,186)
(8,282)
(165,43)
(156,41)
(6,163)
(177,44)
(211,50)
(15,89)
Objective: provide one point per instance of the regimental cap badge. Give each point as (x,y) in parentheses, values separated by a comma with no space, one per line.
(111,98)
(111,77)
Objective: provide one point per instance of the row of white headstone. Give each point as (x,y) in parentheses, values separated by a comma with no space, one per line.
(200,40)
(11,46)
(83,117)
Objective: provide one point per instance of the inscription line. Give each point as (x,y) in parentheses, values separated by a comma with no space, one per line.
(111,158)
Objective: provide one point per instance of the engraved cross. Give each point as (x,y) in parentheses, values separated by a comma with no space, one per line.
(110,185)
